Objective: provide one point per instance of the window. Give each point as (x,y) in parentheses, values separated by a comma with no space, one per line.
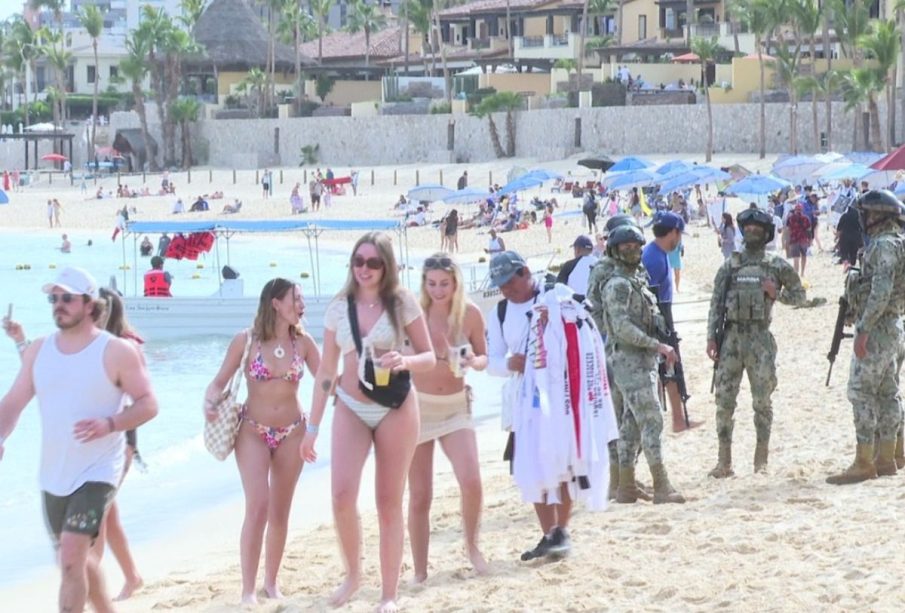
(114,72)
(642,27)
(92,74)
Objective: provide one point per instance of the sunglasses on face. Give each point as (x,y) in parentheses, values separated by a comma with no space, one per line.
(65,298)
(372,263)
(438,264)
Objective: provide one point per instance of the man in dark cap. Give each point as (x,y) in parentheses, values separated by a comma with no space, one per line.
(576,272)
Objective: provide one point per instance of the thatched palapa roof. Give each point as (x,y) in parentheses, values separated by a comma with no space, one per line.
(234,38)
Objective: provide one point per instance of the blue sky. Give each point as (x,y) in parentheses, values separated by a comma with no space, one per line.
(9,7)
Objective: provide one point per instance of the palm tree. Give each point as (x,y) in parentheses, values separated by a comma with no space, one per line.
(294,27)
(827,11)
(366,18)
(787,64)
(418,14)
(808,15)
(93,22)
(438,6)
(176,45)
(59,59)
(883,46)
(851,20)
(690,18)
(822,85)
(860,85)
(255,83)
(756,16)
(321,10)
(594,8)
(135,68)
(191,12)
(497,103)
(706,49)
(184,112)
(22,48)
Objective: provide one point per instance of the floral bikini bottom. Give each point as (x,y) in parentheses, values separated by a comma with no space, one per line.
(271,436)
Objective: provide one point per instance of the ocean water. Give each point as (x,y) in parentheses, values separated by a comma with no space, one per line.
(182,479)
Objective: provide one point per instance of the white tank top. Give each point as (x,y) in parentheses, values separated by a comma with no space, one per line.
(70,388)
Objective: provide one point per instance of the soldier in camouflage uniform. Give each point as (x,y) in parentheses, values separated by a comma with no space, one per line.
(876,295)
(600,274)
(744,290)
(633,324)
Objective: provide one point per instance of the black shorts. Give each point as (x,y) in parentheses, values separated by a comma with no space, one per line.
(81,512)
(315,199)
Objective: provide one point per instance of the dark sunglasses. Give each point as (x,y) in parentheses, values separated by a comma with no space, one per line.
(65,298)
(372,263)
(438,264)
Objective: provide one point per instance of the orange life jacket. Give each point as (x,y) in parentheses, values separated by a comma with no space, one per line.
(156,285)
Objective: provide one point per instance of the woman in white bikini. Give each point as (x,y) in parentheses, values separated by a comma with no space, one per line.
(456,328)
(366,325)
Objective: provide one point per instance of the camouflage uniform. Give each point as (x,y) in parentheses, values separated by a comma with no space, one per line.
(877,299)
(748,346)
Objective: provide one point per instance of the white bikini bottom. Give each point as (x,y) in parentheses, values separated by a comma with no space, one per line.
(370,413)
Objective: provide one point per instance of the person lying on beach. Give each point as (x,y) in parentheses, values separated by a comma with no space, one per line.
(229,209)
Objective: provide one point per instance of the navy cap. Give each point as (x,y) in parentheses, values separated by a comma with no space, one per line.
(503,267)
(583,242)
(669,220)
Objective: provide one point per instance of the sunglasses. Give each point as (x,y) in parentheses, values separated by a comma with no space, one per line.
(372,263)
(438,264)
(64,298)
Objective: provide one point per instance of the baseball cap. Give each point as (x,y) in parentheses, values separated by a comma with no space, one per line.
(75,281)
(583,242)
(503,266)
(667,219)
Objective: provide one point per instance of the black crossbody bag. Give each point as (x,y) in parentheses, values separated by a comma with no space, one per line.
(391,396)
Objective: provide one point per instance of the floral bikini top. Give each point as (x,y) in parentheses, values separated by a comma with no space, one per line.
(258,370)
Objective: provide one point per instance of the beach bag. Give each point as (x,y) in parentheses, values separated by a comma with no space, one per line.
(392,395)
(220,434)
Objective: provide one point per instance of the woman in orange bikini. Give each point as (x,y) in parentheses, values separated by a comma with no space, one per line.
(272,426)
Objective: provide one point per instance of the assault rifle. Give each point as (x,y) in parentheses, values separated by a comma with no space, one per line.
(676,375)
(720,329)
(839,333)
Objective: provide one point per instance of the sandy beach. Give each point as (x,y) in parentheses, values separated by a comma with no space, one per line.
(778,541)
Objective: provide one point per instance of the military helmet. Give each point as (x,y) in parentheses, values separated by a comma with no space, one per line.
(879,201)
(626,233)
(760,218)
(617,221)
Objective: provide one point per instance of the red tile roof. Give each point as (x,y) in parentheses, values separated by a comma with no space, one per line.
(346,45)
(490,6)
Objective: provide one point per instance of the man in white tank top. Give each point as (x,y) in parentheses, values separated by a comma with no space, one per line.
(80,375)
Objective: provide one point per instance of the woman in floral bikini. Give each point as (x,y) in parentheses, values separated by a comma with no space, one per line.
(272,425)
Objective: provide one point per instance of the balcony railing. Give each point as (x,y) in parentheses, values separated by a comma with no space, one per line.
(559,41)
(532,41)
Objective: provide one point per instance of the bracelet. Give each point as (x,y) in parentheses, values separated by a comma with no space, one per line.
(311,428)
(111,425)
(23,345)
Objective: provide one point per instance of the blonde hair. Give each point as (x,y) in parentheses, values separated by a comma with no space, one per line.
(456,318)
(265,324)
(389,289)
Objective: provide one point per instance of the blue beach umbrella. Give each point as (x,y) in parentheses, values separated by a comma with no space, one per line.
(758,185)
(543,173)
(630,163)
(467,196)
(699,175)
(851,171)
(4,199)
(429,192)
(797,168)
(865,157)
(522,183)
(675,165)
(632,178)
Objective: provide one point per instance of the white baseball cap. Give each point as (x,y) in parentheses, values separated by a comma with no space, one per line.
(75,281)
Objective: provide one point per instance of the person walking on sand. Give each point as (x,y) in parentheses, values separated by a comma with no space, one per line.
(271,425)
(548,222)
(456,328)
(365,325)
(50,212)
(265,184)
(57,209)
(81,376)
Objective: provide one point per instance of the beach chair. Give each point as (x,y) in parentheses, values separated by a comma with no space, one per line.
(567,186)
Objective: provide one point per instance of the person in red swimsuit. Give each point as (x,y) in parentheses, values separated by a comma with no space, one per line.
(270,431)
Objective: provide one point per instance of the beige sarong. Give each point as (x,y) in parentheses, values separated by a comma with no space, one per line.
(441,415)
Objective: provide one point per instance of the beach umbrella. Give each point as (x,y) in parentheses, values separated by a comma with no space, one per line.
(522,183)
(54,157)
(894,161)
(598,161)
(4,199)
(699,175)
(849,171)
(544,174)
(632,178)
(515,172)
(686,58)
(758,185)
(829,157)
(630,163)
(467,196)
(879,179)
(864,157)
(797,167)
(669,168)
(429,192)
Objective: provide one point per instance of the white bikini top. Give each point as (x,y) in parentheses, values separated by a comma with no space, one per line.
(381,336)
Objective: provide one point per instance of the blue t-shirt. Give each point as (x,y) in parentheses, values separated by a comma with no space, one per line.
(659,273)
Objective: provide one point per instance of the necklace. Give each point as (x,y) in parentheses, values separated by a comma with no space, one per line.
(279,352)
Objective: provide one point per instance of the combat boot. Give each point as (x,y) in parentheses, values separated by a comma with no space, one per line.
(614,480)
(886,461)
(724,463)
(663,490)
(900,450)
(761,452)
(862,468)
(628,490)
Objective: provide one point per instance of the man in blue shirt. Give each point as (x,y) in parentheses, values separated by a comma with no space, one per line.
(668,228)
